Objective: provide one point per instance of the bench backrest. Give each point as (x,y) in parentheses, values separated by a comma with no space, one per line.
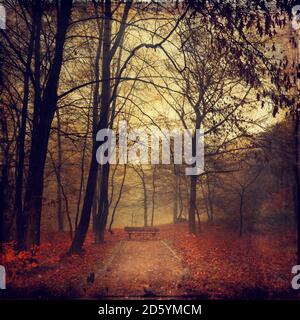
(141,229)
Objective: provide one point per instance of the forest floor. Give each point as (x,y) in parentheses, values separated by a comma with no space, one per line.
(141,269)
(215,264)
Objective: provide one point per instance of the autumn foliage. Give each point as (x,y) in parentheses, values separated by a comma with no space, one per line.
(218,264)
(223,265)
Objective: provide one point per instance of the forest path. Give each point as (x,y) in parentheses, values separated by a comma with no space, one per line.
(141,269)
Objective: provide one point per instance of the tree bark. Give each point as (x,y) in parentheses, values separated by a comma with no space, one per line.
(153,195)
(210,200)
(101,217)
(241,213)
(44,110)
(60,214)
(145,202)
(4,181)
(205,198)
(193,183)
(297,179)
(192,208)
(118,199)
(175,199)
(82,229)
(20,223)
(95,204)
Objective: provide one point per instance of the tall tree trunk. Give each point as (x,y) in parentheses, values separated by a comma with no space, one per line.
(175,199)
(65,198)
(44,110)
(107,98)
(297,178)
(35,185)
(205,198)
(23,215)
(181,206)
(4,180)
(210,200)
(60,214)
(20,223)
(198,219)
(187,195)
(2,197)
(101,218)
(103,202)
(145,202)
(192,208)
(118,199)
(82,229)
(241,213)
(96,101)
(96,202)
(140,172)
(153,195)
(82,172)
(102,215)
(193,183)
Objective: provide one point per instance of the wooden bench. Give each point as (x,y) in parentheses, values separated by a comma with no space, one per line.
(141,230)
